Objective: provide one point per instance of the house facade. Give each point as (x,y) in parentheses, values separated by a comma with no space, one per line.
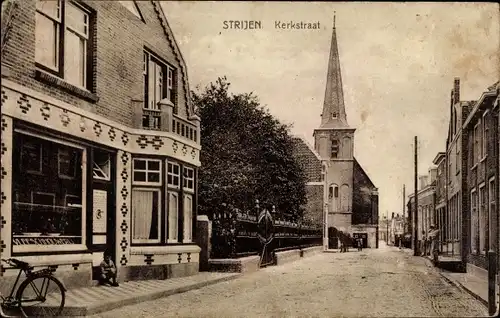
(442,217)
(481,175)
(425,211)
(100,143)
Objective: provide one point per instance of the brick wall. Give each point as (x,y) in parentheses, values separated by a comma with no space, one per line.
(314,206)
(307,160)
(362,212)
(120,38)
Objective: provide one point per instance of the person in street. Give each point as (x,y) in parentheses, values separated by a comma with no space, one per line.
(360,244)
(108,271)
(434,237)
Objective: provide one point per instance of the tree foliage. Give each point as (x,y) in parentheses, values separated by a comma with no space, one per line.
(246,155)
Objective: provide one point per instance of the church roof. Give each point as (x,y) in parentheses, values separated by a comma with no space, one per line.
(334,115)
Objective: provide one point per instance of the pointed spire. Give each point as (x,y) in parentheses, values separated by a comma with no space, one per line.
(334,115)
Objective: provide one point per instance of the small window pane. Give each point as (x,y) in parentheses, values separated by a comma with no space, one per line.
(169,179)
(76,19)
(153,177)
(139,164)
(50,8)
(140,176)
(154,165)
(74,59)
(46,41)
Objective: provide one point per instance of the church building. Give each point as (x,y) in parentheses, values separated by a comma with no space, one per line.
(349,199)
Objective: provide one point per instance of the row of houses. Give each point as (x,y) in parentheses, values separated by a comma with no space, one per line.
(460,192)
(100,144)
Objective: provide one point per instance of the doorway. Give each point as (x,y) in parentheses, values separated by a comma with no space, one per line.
(101,222)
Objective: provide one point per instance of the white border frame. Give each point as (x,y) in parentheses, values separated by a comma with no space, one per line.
(146,241)
(172,186)
(186,189)
(67,247)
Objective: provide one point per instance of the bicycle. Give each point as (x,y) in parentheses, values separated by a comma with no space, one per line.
(32,298)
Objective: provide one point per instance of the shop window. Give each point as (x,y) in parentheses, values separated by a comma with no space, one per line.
(174,175)
(101,165)
(146,215)
(147,172)
(188,182)
(47,207)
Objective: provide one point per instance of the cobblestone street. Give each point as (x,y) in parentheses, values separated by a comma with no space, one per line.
(381,283)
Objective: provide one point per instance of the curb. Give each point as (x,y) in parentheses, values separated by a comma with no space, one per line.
(463,287)
(100,308)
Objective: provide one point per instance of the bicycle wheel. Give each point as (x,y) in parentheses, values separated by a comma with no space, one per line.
(41,296)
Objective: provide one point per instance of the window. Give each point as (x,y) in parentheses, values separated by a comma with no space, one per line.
(458,160)
(101,165)
(146,215)
(335,148)
(492,199)
(477,143)
(188,183)
(158,81)
(334,115)
(188,218)
(483,220)
(484,144)
(47,209)
(173,217)
(62,39)
(173,175)
(147,172)
(474,222)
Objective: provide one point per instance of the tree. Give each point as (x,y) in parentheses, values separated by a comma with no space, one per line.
(247,154)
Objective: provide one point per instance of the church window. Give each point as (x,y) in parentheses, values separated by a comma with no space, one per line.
(334,115)
(335,148)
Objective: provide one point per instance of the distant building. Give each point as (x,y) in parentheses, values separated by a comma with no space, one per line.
(442,219)
(426,205)
(348,196)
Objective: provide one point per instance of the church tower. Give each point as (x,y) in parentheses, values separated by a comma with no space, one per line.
(334,142)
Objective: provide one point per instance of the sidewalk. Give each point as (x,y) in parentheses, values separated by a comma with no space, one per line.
(473,284)
(93,300)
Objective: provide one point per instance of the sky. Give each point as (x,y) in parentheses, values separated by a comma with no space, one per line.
(398,62)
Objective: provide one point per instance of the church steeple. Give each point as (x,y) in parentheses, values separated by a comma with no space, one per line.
(334,115)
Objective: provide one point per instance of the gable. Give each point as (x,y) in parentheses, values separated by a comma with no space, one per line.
(133,8)
(178,54)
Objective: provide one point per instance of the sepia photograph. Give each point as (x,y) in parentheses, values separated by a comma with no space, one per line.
(249,159)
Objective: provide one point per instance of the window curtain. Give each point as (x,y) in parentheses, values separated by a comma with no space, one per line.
(173,216)
(142,205)
(188,217)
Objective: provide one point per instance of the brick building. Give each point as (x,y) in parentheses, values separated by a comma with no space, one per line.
(441,212)
(480,176)
(349,199)
(426,205)
(100,143)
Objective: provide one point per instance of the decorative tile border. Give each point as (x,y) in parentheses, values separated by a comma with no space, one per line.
(6,180)
(37,108)
(123,201)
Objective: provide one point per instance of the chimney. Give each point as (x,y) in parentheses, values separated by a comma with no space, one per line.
(456,90)
(423,182)
(433,174)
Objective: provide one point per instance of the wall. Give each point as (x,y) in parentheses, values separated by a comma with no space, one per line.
(118,60)
(362,197)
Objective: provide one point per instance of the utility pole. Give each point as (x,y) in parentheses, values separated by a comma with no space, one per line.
(415,224)
(404,209)
(387,227)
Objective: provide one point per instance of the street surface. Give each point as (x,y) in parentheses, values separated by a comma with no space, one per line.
(373,283)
